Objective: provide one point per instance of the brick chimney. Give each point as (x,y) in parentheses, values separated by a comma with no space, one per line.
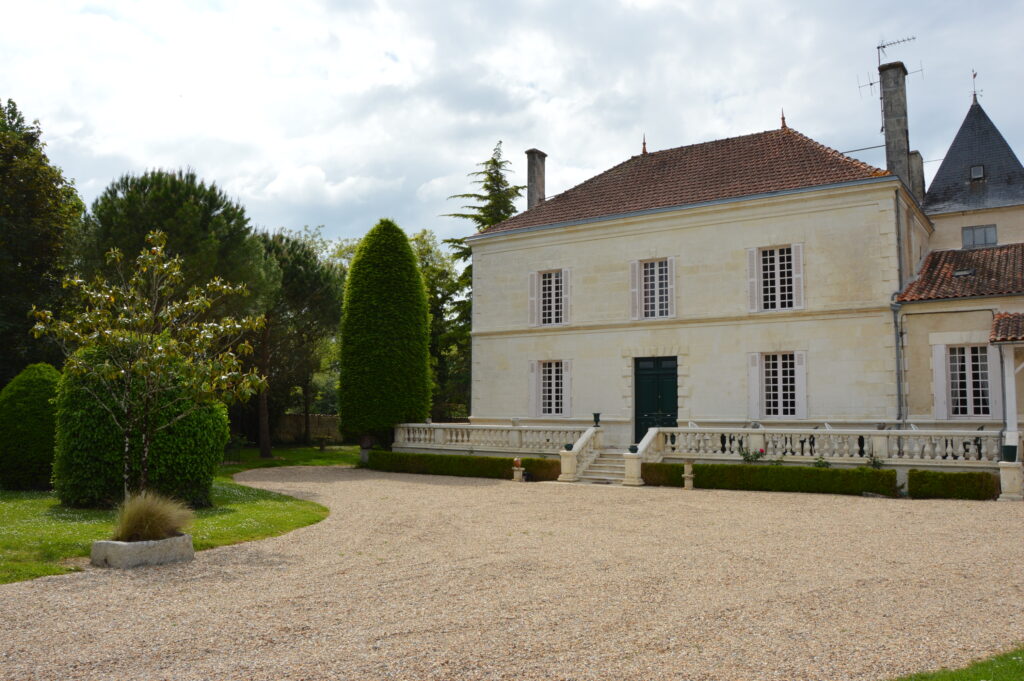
(534,177)
(893,78)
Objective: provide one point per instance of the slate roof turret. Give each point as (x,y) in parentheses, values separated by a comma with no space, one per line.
(978,143)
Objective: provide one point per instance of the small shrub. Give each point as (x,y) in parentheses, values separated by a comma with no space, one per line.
(88,464)
(26,428)
(775,478)
(461,465)
(821,462)
(149,516)
(980,486)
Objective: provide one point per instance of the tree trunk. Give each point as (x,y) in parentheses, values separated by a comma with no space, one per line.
(264,407)
(144,463)
(306,399)
(127,455)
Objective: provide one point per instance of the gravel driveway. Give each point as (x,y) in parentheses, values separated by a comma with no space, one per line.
(424,577)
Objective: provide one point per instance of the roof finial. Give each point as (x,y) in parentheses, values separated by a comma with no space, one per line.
(644,149)
(783,118)
(974,86)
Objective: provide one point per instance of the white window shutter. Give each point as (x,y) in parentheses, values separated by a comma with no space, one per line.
(533,400)
(634,289)
(800,379)
(940,370)
(566,295)
(995,382)
(753,295)
(798,276)
(533,308)
(671,287)
(754,385)
(566,387)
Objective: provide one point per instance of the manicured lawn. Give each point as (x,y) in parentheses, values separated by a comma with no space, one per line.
(1007,667)
(37,533)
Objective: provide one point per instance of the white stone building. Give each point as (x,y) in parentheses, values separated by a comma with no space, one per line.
(759,291)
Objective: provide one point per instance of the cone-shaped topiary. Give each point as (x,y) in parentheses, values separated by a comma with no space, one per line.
(385,366)
(26,428)
(88,458)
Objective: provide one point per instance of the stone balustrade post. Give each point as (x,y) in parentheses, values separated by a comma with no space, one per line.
(634,476)
(688,473)
(755,442)
(439,435)
(880,446)
(568,473)
(1011,480)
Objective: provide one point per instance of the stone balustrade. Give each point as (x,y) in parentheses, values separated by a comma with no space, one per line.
(464,437)
(850,445)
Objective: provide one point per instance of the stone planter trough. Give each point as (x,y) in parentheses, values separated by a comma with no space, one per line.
(129,554)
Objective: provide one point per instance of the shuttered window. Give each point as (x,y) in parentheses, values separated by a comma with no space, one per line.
(775,278)
(969,393)
(652,289)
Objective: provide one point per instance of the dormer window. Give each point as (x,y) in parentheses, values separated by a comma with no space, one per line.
(977,172)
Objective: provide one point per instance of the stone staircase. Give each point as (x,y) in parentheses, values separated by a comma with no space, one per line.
(609,468)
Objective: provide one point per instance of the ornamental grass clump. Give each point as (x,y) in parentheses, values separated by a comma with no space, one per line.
(149,516)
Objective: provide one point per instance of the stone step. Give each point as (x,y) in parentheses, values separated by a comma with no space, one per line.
(606,468)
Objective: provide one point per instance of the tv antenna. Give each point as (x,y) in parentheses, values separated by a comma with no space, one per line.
(880,50)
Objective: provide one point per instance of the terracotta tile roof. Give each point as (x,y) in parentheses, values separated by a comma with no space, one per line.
(764,162)
(1007,327)
(977,272)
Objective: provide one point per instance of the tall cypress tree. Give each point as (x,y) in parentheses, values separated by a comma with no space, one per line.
(494,203)
(385,365)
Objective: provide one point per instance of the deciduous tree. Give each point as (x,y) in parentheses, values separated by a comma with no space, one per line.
(160,355)
(38,210)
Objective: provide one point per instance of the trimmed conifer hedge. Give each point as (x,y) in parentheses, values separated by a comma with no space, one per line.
(385,362)
(461,465)
(776,478)
(980,485)
(26,428)
(88,464)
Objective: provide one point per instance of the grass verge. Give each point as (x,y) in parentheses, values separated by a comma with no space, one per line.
(1006,667)
(39,534)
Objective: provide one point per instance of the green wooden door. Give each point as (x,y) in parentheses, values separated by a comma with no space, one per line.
(656,399)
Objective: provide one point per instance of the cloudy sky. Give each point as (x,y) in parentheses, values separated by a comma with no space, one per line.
(337,113)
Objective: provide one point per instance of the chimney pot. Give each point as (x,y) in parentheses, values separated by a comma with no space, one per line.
(534,177)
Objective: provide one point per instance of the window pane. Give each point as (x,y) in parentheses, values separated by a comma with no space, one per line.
(655,289)
(551,297)
(551,392)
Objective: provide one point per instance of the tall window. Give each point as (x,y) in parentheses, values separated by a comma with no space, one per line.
(779,384)
(979,236)
(656,296)
(777,278)
(551,297)
(969,381)
(552,388)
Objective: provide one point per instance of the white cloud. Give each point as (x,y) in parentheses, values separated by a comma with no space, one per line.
(337,112)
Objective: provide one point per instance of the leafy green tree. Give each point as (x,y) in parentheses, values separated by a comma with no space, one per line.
(38,210)
(494,203)
(441,279)
(385,372)
(304,310)
(26,428)
(203,225)
(160,356)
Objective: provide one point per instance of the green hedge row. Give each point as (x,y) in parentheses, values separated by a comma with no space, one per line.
(935,485)
(775,478)
(460,465)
